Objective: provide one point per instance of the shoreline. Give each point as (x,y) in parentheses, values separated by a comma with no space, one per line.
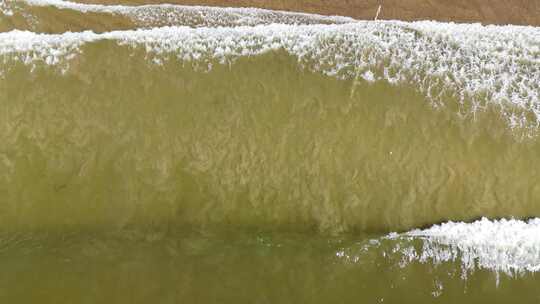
(517,12)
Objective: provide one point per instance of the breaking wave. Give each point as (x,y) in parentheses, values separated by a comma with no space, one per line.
(256,118)
(510,247)
(56,16)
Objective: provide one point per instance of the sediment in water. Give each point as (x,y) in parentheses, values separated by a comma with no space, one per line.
(261,143)
(186,161)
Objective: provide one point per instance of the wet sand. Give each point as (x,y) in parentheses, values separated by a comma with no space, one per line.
(522,12)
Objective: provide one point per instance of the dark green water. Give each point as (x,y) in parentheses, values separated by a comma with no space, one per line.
(158,266)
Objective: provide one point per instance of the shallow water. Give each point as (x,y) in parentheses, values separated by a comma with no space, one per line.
(154,265)
(61,16)
(256,156)
(116,139)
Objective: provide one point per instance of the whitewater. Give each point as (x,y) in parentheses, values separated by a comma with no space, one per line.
(390,148)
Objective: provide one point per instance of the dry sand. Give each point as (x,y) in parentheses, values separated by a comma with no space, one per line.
(523,12)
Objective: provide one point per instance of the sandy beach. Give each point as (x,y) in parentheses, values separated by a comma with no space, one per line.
(520,12)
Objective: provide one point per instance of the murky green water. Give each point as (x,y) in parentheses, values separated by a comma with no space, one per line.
(244,161)
(262,143)
(159,266)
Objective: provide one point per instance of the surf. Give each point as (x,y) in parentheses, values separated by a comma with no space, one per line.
(358,147)
(362,127)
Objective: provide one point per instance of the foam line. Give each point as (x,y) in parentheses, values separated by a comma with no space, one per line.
(480,65)
(171,14)
(507,246)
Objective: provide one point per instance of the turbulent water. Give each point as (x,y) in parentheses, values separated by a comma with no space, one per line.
(131,135)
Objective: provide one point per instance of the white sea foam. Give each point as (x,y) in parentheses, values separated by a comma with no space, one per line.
(170,14)
(509,246)
(5,9)
(479,65)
